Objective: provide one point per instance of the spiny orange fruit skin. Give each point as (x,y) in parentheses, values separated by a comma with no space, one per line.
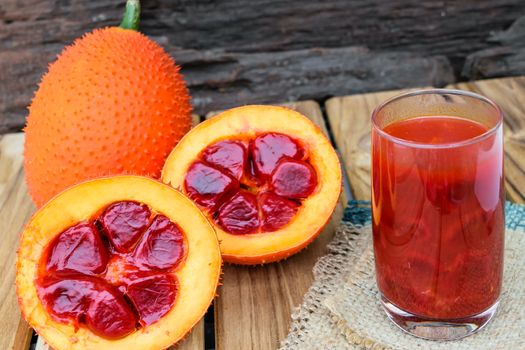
(113,103)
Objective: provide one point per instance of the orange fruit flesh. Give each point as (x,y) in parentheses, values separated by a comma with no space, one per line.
(266,177)
(118,263)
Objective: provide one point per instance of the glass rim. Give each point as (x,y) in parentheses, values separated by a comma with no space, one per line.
(435,91)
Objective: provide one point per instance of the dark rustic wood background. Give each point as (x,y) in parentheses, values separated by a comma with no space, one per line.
(235,52)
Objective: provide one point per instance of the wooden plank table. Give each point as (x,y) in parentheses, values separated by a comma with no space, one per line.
(252,310)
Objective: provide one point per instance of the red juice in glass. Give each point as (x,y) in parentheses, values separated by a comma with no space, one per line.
(438,211)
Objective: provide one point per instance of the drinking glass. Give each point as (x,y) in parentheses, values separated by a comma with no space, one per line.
(438,211)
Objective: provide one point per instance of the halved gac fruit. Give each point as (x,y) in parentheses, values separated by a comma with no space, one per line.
(121,262)
(265,176)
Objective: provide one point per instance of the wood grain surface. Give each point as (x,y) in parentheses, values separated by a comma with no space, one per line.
(226,48)
(254,304)
(505,58)
(15,209)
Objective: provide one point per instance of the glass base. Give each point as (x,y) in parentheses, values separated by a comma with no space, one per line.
(434,329)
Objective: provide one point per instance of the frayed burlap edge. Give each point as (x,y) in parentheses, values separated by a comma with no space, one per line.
(313,325)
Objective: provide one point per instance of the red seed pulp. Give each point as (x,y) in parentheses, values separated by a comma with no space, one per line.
(239,214)
(116,286)
(161,247)
(229,156)
(293,179)
(123,223)
(438,217)
(251,186)
(79,249)
(276,211)
(153,297)
(268,149)
(87,300)
(208,185)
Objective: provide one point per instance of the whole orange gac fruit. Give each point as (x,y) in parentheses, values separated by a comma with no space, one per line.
(113,102)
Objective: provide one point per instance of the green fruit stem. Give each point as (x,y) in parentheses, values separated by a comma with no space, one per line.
(131,17)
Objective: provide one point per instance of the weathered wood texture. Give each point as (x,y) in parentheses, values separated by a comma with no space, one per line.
(349,119)
(194,340)
(505,57)
(254,304)
(310,74)
(15,209)
(23,336)
(237,51)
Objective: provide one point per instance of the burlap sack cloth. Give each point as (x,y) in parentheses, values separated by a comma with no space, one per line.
(341,310)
